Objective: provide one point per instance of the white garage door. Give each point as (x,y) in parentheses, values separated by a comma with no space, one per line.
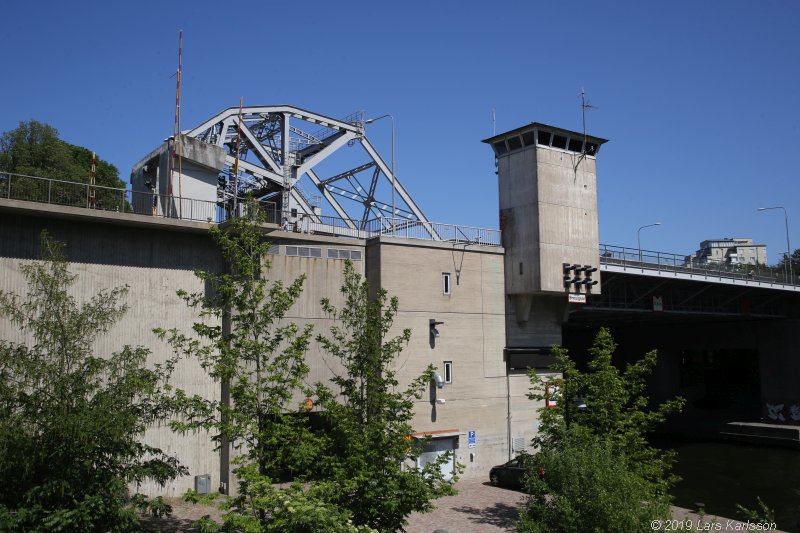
(433,450)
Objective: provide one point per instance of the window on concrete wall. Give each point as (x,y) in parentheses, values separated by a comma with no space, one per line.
(445,282)
(303,251)
(448,371)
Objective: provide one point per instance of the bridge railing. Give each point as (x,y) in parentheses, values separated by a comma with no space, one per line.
(100,198)
(670,262)
(416,229)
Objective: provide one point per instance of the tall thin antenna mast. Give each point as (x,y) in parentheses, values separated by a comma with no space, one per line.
(236,164)
(494,122)
(176,129)
(585,104)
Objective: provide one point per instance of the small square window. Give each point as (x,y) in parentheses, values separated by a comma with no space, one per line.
(355,255)
(445,282)
(500,147)
(333,253)
(448,371)
(575,145)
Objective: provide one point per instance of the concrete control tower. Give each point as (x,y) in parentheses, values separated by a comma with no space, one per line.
(548,217)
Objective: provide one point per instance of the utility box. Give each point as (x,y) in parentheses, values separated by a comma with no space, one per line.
(202,484)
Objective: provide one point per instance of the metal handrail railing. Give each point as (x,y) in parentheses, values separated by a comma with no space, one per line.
(635,258)
(78,194)
(416,229)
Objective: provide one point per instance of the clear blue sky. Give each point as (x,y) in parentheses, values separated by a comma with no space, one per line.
(699,99)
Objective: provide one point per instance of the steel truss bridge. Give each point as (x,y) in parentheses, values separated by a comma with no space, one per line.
(276,153)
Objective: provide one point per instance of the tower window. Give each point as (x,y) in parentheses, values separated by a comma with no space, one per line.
(575,145)
(559,141)
(544,138)
(500,147)
(529,138)
(445,282)
(514,143)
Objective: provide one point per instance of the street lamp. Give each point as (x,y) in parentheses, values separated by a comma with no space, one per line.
(639,237)
(370,121)
(788,247)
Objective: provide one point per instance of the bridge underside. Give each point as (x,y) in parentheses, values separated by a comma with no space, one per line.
(730,351)
(634,298)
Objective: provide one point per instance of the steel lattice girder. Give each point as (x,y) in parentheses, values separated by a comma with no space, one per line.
(284,153)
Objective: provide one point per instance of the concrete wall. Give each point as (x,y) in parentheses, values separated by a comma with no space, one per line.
(472,337)
(153,264)
(155,257)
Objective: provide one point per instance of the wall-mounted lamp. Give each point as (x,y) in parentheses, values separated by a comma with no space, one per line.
(432,324)
(439,381)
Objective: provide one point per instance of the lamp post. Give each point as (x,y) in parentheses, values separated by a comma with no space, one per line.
(639,237)
(370,121)
(789,269)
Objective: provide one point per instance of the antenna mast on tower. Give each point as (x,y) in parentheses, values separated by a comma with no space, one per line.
(176,128)
(585,104)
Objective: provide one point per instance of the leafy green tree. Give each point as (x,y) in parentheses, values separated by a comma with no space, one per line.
(34,149)
(618,417)
(586,485)
(367,416)
(780,266)
(244,342)
(70,420)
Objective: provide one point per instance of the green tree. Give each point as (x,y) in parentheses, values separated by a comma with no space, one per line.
(618,417)
(780,266)
(244,342)
(588,486)
(70,420)
(367,416)
(34,149)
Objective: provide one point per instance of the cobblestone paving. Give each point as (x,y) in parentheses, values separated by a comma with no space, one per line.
(478,508)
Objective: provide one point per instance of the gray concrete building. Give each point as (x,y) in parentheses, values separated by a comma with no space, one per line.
(731,251)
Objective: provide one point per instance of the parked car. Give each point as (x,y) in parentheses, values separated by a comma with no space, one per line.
(512,473)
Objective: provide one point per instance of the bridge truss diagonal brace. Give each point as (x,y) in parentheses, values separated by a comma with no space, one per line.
(265,158)
(325,152)
(330,199)
(257,172)
(398,187)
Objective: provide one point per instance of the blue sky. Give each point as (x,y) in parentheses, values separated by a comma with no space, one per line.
(699,99)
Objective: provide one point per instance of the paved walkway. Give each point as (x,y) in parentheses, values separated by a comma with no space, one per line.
(478,507)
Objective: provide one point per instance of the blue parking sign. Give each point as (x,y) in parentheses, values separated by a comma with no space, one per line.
(471,438)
